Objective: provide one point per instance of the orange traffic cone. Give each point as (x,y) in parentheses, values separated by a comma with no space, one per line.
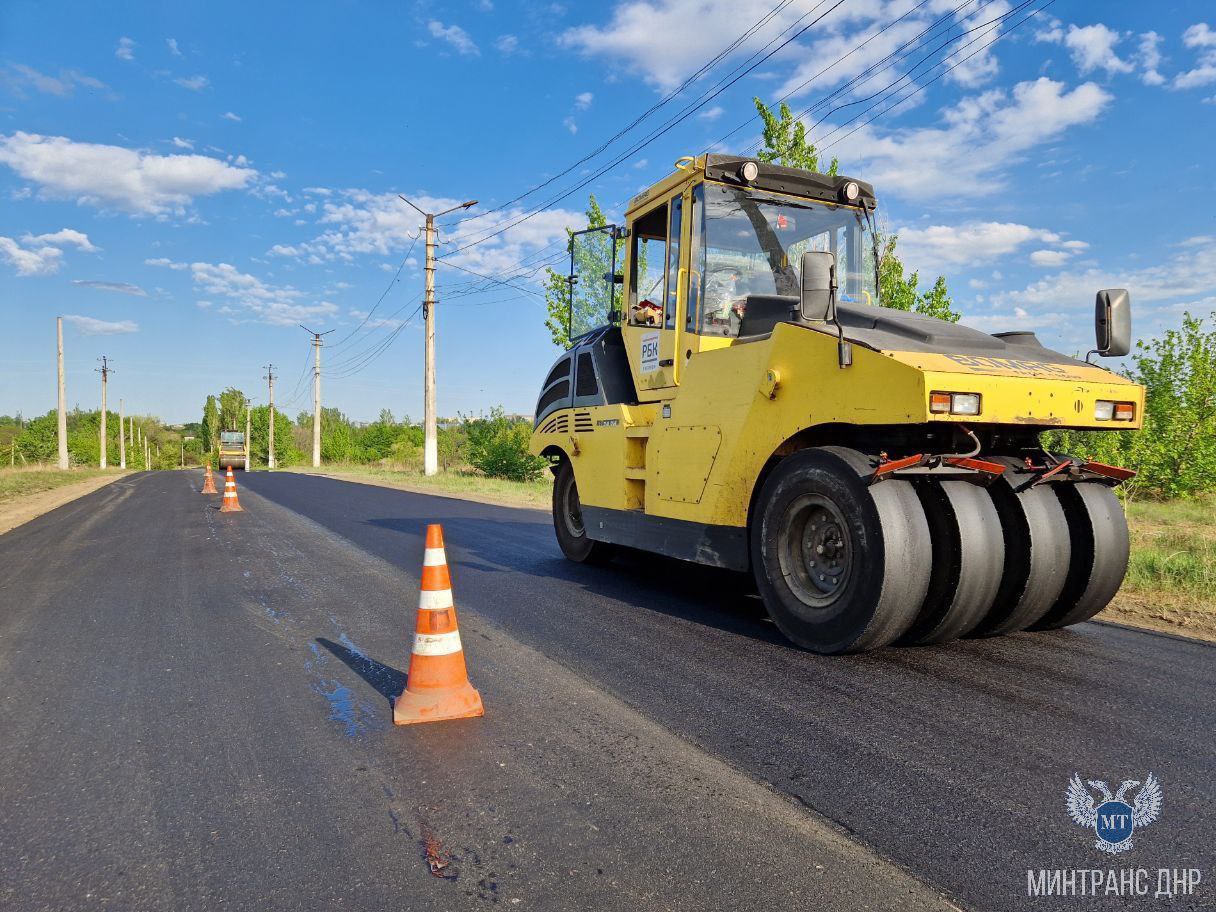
(230,504)
(208,482)
(438,686)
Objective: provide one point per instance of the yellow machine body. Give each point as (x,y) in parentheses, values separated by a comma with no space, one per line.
(711,412)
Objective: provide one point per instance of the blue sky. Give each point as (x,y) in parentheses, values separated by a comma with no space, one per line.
(187,182)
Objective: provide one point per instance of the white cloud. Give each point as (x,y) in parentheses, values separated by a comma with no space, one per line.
(1093,48)
(89,326)
(1050,258)
(118,287)
(167,263)
(454,35)
(981,137)
(42,254)
(362,223)
(640,31)
(1148,55)
(139,182)
(228,115)
(974,61)
(193,83)
(711,114)
(1185,280)
(582,101)
(937,247)
(249,298)
(30,261)
(570,125)
(506,44)
(183,143)
(125,49)
(21,76)
(173,48)
(1202,39)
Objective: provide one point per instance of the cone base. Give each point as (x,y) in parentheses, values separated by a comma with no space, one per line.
(227,509)
(460,702)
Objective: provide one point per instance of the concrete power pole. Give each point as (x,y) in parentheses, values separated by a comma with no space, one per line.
(248,433)
(104,370)
(270,434)
(122,438)
(63,402)
(430,427)
(316,395)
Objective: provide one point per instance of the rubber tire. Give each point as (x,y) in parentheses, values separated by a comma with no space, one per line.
(1037,553)
(578,548)
(889,538)
(968,561)
(1097,528)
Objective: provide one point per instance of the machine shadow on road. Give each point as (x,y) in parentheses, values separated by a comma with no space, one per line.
(722,599)
(384,679)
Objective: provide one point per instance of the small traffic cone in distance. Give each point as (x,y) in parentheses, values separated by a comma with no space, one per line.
(208,482)
(230,504)
(438,685)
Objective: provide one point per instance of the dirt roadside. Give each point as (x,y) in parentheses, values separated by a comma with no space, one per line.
(21,510)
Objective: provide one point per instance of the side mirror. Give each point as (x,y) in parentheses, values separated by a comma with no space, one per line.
(1113,322)
(818,297)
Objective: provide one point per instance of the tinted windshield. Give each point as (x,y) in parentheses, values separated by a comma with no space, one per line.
(750,243)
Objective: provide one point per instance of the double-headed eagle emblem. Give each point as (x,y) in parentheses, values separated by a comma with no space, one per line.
(1113,819)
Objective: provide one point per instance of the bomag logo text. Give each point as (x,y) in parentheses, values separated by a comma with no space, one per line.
(979,362)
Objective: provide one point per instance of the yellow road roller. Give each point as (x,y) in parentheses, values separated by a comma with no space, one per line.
(735,396)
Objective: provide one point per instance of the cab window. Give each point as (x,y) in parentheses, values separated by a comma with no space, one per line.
(673,262)
(648,268)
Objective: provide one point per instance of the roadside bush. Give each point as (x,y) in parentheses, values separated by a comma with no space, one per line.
(498,446)
(1175,454)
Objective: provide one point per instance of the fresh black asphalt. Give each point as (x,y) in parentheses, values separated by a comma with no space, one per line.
(195,709)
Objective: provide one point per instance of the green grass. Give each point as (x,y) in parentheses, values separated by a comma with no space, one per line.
(19,482)
(459,483)
(1174,548)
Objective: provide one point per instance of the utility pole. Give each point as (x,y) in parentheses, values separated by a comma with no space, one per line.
(104,370)
(248,432)
(122,438)
(270,435)
(63,402)
(430,428)
(316,395)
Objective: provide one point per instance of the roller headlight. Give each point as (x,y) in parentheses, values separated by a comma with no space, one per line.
(851,192)
(941,403)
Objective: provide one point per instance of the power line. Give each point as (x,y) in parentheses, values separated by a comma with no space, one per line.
(708,65)
(383,295)
(733,77)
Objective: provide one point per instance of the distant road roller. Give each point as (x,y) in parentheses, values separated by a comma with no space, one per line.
(734,396)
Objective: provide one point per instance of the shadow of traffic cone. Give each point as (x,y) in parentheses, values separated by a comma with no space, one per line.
(208,482)
(230,504)
(438,684)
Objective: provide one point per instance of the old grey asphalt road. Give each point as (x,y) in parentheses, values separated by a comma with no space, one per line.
(196,711)
(195,714)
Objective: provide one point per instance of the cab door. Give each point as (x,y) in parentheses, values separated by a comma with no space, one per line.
(656,295)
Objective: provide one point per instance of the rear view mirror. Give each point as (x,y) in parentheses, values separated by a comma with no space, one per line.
(818,297)
(1113,322)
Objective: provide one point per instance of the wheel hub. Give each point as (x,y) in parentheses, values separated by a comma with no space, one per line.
(817,555)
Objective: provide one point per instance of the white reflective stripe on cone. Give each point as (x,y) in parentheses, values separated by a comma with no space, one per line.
(436,644)
(435,599)
(433,557)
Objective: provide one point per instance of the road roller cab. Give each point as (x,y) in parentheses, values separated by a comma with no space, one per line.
(735,396)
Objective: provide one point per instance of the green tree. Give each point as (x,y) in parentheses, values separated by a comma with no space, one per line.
(232,410)
(902,293)
(785,141)
(210,425)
